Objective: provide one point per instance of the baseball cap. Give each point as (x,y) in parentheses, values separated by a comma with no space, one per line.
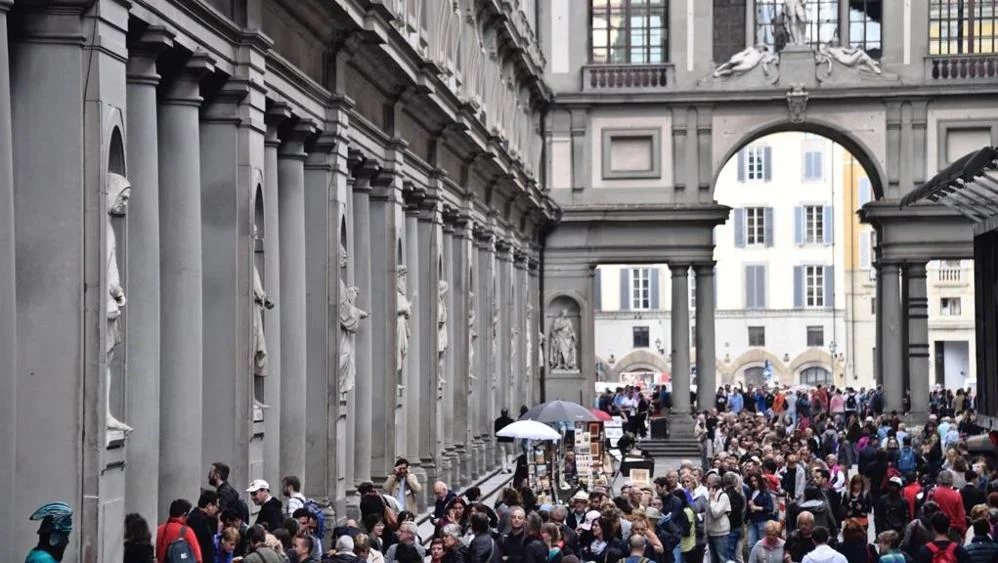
(581,495)
(897,481)
(257,485)
(591,517)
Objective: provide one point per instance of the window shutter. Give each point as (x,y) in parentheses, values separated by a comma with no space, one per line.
(760,287)
(828,225)
(816,163)
(625,289)
(798,287)
(653,273)
(864,250)
(829,287)
(598,289)
(769,226)
(806,169)
(798,225)
(865,191)
(739,228)
(750,287)
(741,165)
(767,163)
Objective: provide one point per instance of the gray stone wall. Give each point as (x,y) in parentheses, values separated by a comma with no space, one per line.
(729,28)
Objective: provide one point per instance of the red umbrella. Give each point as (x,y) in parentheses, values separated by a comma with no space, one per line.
(602,415)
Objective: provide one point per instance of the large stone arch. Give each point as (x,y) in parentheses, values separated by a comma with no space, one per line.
(755,358)
(641,359)
(868,146)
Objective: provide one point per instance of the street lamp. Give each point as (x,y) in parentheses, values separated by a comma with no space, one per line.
(658,346)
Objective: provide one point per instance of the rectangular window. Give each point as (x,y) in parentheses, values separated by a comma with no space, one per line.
(963,27)
(640,288)
(755,225)
(755,163)
(629,31)
(821,17)
(865,26)
(814,224)
(640,336)
(755,286)
(815,336)
(949,306)
(756,336)
(812,166)
(814,286)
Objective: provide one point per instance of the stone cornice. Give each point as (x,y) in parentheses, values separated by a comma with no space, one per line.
(707,214)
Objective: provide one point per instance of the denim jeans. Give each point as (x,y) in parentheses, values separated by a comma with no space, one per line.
(756,531)
(734,538)
(718,548)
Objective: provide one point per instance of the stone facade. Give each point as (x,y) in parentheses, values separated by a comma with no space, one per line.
(634,152)
(267,137)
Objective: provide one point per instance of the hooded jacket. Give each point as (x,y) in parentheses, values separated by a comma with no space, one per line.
(824,554)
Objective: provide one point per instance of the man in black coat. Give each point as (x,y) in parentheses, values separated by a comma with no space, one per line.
(202,521)
(505,444)
(228,496)
(271,514)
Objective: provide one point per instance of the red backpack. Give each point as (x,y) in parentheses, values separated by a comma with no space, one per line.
(942,555)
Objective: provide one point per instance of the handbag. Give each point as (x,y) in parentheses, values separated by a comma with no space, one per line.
(391,519)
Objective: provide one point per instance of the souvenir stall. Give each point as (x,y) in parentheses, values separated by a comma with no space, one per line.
(547,466)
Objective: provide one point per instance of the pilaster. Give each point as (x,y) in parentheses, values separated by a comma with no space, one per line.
(429,228)
(889,301)
(414,407)
(450,466)
(460,291)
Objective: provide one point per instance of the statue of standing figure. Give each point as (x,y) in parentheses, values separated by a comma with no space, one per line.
(403,310)
(495,337)
(350,317)
(261,301)
(795,15)
(563,343)
(472,337)
(443,342)
(118,192)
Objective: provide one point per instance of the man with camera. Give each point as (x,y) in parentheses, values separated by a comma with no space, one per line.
(403,486)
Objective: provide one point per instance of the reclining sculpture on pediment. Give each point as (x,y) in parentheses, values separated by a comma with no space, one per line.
(744,62)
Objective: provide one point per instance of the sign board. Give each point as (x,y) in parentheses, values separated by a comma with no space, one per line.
(614,430)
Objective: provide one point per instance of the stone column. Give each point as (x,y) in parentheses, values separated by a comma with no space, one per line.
(516,371)
(362,398)
(449,463)
(276,115)
(8,308)
(428,258)
(227,282)
(505,395)
(533,331)
(291,208)
(413,383)
(143,340)
(680,313)
(918,339)
(321,360)
(386,265)
(893,336)
(706,353)
(459,292)
(181,375)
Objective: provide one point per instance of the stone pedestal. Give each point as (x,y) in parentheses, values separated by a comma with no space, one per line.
(111,513)
(797,65)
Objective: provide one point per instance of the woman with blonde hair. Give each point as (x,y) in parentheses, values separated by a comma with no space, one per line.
(770,549)
(362,549)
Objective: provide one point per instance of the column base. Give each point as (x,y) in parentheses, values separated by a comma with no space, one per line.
(351,510)
(424,479)
(464,465)
(429,467)
(444,469)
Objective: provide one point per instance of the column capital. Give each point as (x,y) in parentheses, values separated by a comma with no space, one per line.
(320,149)
(143,52)
(704,268)
(503,247)
(534,264)
(185,87)
(412,196)
(914,269)
(5,5)
(223,105)
(277,113)
(679,270)
(293,138)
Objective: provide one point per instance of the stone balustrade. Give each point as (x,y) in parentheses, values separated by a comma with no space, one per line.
(626,77)
(962,67)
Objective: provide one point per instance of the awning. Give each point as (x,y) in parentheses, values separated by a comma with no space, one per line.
(969,186)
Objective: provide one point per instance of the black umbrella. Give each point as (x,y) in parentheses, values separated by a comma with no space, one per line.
(559,411)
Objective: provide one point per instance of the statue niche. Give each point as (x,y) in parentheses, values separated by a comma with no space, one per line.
(562,338)
(350,317)
(118,192)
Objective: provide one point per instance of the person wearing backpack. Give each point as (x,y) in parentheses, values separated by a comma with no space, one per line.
(942,549)
(907,458)
(175,540)
(259,551)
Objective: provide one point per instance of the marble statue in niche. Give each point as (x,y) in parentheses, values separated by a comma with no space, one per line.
(472,337)
(403,311)
(795,16)
(350,317)
(528,361)
(443,342)
(563,343)
(495,337)
(261,301)
(118,192)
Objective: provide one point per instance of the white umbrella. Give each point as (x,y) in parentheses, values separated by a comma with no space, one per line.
(529,430)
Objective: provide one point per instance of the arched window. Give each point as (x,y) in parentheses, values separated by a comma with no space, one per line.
(816,375)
